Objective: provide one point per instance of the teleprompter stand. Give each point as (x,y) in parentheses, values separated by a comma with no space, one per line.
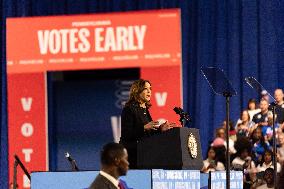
(219,83)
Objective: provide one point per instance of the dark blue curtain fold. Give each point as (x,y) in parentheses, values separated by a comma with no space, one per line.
(244,38)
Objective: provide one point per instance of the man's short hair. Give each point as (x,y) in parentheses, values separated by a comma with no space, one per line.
(110,152)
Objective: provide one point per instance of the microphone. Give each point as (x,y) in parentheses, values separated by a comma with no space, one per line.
(182,113)
(72,162)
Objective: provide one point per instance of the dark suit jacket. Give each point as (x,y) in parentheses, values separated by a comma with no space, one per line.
(133,119)
(102,182)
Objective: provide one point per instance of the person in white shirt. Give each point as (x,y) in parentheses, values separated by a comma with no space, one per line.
(211,163)
(252,108)
(267,162)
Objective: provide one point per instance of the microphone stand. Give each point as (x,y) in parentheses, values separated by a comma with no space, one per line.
(227,95)
(15,174)
(72,162)
(16,163)
(274,145)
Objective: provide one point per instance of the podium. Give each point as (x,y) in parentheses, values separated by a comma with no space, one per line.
(178,148)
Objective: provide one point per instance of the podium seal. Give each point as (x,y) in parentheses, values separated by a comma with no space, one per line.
(192,145)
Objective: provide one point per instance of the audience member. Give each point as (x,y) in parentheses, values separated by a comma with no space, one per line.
(268,178)
(267,162)
(280,182)
(265,95)
(279,108)
(244,124)
(221,134)
(260,118)
(259,145)
(243,161)
(212,163)
(280,149)
(252,108)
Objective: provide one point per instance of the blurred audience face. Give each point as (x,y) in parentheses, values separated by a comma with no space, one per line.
(221,133)
(278,95)
(268,176)
(257,134)
(252,106)
(267,157)
(281,139)
(244,154)
(245,115)
(211,154)
(264,106)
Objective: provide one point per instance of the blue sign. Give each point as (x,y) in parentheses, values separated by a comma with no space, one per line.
(218,180)
(176,179)
(135,179)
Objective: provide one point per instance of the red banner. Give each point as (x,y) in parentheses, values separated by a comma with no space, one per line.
(98,41)
(166,91)
(27,123)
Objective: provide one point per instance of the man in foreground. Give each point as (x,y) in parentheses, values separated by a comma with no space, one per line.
(114,163)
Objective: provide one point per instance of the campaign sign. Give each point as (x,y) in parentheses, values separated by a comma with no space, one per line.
(218,180)
(135,179)
(176,179)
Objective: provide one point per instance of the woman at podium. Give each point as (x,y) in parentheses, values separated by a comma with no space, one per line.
(136,121)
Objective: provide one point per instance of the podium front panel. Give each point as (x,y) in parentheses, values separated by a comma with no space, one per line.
(169,150)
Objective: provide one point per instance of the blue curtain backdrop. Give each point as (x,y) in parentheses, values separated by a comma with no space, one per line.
(245,38)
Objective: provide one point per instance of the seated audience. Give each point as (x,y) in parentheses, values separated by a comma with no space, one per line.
(212,163)
(243,160)
(252,108)
(221,134)
(261,118)
(267,162)
(280,149)
(260,144)
(268,177)
(279,108)
(244,124)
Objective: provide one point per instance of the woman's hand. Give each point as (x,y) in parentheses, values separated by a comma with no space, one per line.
(153,125)
(166,126)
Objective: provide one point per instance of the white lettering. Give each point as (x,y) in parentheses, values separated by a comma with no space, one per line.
(27,129)
(64,38)
(140,33)
(161,98)
(54,41)
(27,103)
(43,41)
(26,182)
(98,39)
(64,41)
(109,40)
(116,127)
(73,40)
(121,38)
(85,45)
(27,152)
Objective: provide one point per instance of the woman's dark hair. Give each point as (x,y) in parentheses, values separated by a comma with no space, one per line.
(262,141)
(270,153)
(209,148)
(252,100)
(136,88)
(241,115)
(242,144)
